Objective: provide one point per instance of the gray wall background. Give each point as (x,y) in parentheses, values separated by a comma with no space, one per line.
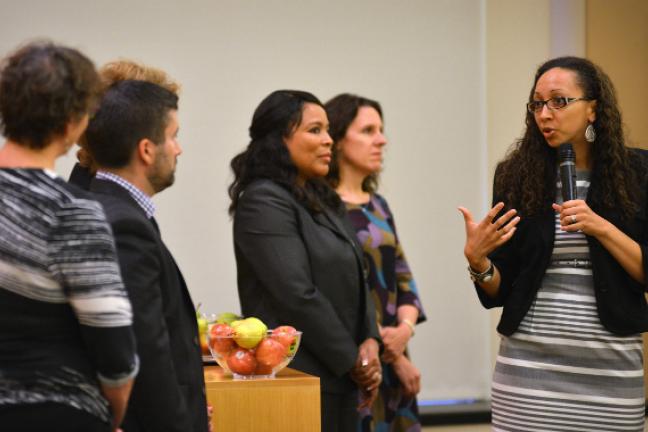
(423,60)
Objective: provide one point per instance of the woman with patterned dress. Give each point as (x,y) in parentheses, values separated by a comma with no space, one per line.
(67,349)
(570,275)
(357,130)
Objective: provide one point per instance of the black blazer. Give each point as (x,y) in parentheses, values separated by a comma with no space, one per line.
(523,260)
(168,394)
(303,269)
(81,176)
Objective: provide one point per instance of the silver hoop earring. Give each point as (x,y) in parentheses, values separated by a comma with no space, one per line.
(590,133)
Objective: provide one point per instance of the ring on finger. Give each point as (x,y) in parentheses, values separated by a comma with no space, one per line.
(573,219)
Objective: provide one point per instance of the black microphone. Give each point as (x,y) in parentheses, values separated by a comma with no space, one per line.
(567,160)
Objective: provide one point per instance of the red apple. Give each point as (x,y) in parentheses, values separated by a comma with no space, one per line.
(270,352)
(241,361)
(262,370)
(220,338)
(284,335)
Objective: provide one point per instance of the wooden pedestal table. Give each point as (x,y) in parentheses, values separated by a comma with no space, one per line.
(288,403)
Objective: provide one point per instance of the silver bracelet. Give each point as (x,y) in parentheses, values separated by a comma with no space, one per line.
(484,276)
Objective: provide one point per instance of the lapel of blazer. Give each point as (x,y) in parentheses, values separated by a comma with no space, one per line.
(107,187)
(547,229)
(111,188)
(183,284)
(338,226)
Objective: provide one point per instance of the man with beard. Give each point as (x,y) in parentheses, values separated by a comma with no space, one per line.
(133,141)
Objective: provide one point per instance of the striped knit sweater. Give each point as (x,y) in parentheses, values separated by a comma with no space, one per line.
(65,317)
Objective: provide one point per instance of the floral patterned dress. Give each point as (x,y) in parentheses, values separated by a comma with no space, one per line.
(391,285)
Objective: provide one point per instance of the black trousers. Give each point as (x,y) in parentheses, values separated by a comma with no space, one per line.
(48,416)
(339,412)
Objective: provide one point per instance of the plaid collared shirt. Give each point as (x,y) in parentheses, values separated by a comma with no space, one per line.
(140,197)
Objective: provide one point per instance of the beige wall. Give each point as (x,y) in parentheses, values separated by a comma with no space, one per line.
(617,40)
(513,53)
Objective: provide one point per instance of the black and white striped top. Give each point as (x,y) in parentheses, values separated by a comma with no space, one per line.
(65,317)
(562,370)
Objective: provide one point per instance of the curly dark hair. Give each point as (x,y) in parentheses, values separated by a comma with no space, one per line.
(341,111)
(526,178)
(43,87)
(267,157)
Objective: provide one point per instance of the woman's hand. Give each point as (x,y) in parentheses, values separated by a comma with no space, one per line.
(395,341)
(117,397)
(576,215)
(367,398)
(210,413)
(408,375)
(367,372)
(485,236)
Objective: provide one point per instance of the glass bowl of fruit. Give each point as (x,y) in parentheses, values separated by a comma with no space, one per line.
(248,350)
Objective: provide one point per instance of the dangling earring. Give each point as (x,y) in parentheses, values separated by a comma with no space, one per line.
(590,133)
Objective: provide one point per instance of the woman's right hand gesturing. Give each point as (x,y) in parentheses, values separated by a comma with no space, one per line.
(484,237)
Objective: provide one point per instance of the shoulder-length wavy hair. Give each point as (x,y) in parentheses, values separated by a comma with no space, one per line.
(341,111)
(267,157)
(526,178)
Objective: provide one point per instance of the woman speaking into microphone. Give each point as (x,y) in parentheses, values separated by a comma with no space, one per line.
(570,275)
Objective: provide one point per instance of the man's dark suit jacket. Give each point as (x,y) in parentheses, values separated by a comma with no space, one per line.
(303,269)
(168,394)
(523,260)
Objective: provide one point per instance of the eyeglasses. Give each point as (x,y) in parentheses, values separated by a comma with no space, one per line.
(554,103)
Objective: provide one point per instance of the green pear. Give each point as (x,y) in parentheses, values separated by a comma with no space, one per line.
(257,322)
(249,332)
(202,324)
(236,323)
(227,318)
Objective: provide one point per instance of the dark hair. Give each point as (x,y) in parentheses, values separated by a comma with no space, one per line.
(42,88)
(121,70)
(267,157)
(341,111)
(129,112)
(526,178)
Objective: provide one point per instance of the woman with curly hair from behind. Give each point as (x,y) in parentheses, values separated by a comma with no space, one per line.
(67,348)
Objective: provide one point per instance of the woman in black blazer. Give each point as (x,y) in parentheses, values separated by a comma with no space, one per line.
(570,275)
(297,261)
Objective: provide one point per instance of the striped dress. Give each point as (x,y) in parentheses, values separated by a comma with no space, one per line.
(562,370)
